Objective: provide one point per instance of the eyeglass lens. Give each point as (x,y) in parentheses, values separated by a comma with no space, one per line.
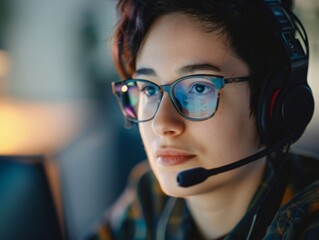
(195,98)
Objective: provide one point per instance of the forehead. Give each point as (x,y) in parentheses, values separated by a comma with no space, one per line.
(176,40)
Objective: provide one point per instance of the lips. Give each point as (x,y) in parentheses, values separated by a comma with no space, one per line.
(172,157)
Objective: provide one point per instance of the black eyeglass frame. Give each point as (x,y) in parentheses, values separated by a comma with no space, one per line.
(218,81)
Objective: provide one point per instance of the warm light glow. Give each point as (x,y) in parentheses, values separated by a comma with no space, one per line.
(124,88)
(39,128)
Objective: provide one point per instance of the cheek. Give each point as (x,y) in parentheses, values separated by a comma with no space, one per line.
(227,137)
(237,132)
(235,117)
(148,139)
(236,137)
(146,135)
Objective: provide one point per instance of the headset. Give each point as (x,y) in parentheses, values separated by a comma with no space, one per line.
(286,107)
(286,102)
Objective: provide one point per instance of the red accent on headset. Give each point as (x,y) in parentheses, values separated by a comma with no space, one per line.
(273,99)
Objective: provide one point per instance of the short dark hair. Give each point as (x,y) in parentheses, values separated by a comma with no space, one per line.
(245,23)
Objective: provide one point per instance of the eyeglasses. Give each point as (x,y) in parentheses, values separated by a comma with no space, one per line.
(195,97)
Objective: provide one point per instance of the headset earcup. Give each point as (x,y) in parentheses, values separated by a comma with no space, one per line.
(268,95)
(283,110)
(292,110)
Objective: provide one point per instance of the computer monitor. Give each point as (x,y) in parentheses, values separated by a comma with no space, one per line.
(27,209)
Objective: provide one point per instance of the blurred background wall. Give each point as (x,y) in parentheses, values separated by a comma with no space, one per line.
(55,98)
(308,12)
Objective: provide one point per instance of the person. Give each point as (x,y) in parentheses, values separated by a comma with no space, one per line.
(219,92)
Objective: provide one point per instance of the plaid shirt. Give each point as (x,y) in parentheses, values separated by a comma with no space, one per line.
(145,212)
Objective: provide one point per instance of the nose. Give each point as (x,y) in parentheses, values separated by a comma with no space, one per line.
(167,121)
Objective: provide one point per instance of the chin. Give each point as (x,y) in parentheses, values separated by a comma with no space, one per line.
(169,185)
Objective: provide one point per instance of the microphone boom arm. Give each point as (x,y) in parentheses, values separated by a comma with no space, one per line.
(194,176)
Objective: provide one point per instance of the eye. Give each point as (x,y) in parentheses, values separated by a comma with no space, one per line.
(200,88)
(150,91)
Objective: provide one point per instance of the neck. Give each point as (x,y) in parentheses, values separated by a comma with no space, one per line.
(217,212)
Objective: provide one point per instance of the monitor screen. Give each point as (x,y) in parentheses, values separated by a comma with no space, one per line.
(27,209)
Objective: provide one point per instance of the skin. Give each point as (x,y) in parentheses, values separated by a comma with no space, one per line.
(176,46)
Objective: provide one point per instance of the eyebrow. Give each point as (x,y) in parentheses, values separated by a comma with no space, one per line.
(145,71)
(197,67)
(188,69)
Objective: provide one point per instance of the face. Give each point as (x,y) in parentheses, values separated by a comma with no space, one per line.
(178,46)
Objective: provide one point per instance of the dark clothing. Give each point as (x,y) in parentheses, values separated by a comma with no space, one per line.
(145,212)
